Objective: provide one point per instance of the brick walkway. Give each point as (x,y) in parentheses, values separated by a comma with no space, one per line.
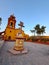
(38,54)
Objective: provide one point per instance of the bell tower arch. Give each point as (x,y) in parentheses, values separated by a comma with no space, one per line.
(11,22)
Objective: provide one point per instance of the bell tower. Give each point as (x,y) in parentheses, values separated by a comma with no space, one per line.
(11,22)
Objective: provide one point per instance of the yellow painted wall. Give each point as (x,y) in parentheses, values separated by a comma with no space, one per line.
(12,33)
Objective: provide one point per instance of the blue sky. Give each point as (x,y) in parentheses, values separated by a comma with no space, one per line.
(31,12)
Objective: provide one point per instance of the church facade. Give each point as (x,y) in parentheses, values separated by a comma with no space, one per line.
(11,32)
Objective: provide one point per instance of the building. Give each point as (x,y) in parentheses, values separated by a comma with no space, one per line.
(11,32)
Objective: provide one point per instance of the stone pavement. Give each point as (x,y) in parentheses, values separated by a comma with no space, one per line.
(38,54)
(1,43)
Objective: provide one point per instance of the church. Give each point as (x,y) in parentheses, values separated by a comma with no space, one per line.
(11,32)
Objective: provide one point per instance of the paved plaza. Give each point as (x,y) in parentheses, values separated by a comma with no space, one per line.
(38,54)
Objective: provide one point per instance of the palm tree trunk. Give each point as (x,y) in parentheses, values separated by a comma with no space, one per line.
(34,33)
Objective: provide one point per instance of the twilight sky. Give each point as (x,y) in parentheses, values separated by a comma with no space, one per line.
(31,12)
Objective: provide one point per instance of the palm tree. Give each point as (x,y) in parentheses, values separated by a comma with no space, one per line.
(33,31)
(21,24)
(43,29)
(37,29)
(0,21)
(38,32)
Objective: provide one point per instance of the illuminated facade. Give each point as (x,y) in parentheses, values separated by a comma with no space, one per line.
(11,32)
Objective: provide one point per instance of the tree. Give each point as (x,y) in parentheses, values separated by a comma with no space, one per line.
(33,31)
(38,32)
(43,29)
(21,24)
(37,29)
